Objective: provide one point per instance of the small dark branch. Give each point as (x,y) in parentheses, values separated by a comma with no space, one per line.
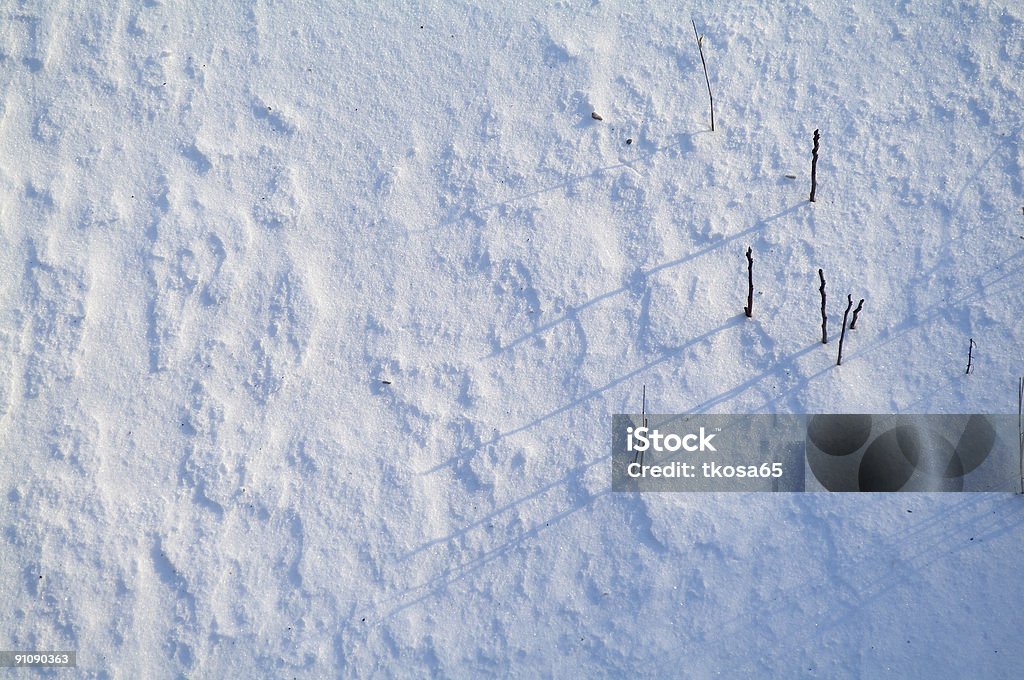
(970,355)
(860,306)
(824,318)
(643,405)
(814,165)
(749,309)
(638,457)
(842,334)
(643,415)
(700,48)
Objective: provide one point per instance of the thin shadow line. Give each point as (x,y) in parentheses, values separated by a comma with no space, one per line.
(507,506)
(670,354)
(572,312)
(682,141)
(747,384)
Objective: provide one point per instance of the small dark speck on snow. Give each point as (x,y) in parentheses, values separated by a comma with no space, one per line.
(629,141)
(595,116)
(386,382)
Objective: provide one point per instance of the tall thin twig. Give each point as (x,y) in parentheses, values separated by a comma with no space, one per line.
(856,311)
(814,165)
(749,309)
(639,455)
(824,318)
(842,334)
(700,48)
(970,355)
(643,406)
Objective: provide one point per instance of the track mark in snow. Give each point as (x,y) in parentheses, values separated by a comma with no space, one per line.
(99,212)
(40,196)
(211,470)
(640,519)
(217,285)
(281,345)
(49,124)
(57,313)
(284,315)
(230,602)
(74,439)
(297,534)
(629,194)
(6,374)
(171,281)
(277,206)
(761,342)
(200,161)
(643,322)
(583,343)
(275,118)
(211,475)
(152,98)
(183,610)
(26,41)
(472,470)
(518,301)
(302,460)
(181,283)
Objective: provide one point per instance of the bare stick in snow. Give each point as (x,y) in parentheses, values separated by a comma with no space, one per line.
(842,334)
(749,309)
(700,48)
(638,457)
(814,165)
(860,306)
(824,318)
(643,406)
(970,355)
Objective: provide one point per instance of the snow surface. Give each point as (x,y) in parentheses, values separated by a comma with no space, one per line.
(224,226)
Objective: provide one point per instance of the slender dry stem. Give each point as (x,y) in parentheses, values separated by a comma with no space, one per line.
(700,48)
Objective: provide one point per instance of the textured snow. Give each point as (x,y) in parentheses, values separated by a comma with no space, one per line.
(313,318)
